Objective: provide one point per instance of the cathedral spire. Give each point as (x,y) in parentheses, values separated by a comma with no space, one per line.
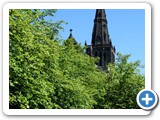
(101,44)
(100,14)
(100,33)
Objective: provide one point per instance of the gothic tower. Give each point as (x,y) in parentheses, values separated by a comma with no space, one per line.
(101,44)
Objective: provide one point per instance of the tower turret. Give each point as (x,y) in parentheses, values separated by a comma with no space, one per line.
(71,37)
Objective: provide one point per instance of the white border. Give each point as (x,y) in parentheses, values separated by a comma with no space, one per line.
(8,6)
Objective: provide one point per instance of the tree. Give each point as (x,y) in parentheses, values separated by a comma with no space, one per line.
(45,73)
(124,81)
(32,47)
(81,82)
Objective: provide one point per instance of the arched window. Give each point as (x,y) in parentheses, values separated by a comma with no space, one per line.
(100,61)
(105,57)
(104,36)
(99,14)
(104,25)
(98,40)
(95,54)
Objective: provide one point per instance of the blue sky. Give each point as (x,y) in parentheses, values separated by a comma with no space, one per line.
(126,29)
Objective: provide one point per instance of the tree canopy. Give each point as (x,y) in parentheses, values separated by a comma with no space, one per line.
(47,73)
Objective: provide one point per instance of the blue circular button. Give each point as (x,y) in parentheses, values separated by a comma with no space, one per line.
(147,99)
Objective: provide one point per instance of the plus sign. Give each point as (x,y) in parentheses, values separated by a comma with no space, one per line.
(147,99)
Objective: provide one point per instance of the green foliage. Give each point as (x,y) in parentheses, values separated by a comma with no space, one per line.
(45,73)
(81,81)
(123,84)
(32,51)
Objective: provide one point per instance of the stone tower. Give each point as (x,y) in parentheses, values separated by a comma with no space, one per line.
(101,44)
